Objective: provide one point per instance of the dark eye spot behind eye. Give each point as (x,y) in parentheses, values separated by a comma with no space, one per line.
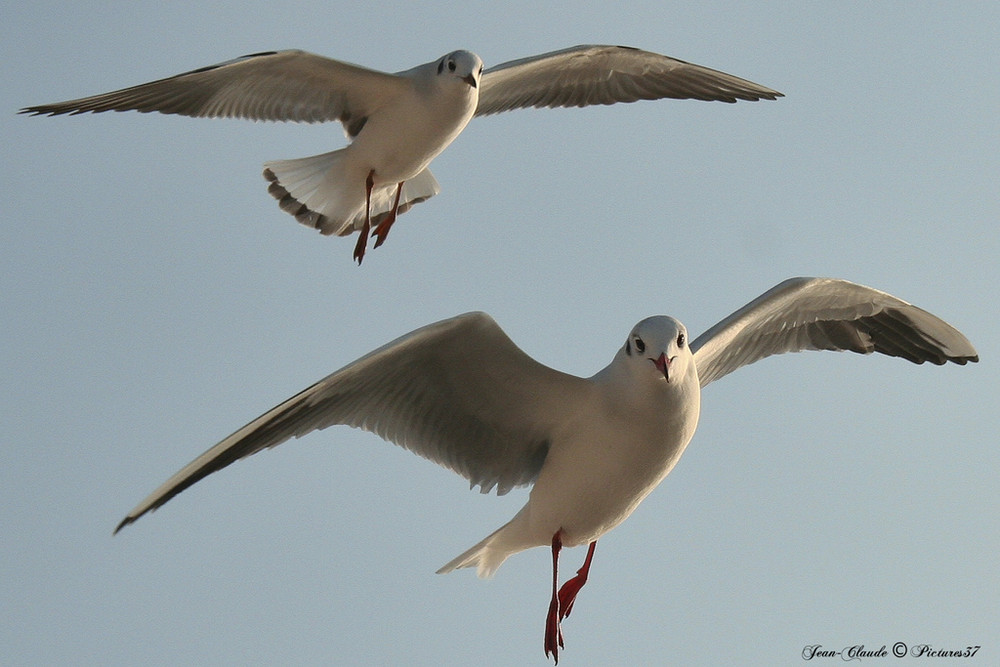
(628,348)
(440,67)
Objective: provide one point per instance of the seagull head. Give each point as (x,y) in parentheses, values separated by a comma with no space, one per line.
(658,347)
(462,65)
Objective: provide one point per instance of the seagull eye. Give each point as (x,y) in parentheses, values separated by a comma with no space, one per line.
(680,340)
(640,346)
(451,65)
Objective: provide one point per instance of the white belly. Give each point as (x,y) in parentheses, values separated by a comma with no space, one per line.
(589,487)
(399,142)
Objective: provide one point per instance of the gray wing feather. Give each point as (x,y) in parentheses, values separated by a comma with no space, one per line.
(587,75)
(278,85)
(826,314)
(458,392)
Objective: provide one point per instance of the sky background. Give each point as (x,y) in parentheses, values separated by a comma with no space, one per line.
(155,299)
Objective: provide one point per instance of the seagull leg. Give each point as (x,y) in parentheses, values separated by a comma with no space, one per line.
(382,230)
(359,249)
(567,594)
(553,633)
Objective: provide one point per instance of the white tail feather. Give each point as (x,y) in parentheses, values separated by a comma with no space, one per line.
(485,560)
(327,192)
(492,551)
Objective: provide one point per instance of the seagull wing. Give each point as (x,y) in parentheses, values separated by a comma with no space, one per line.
(278,85)
(458,392)
(584,75)
(826,314)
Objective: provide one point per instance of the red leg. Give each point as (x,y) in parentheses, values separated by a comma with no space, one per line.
(553,634)
(359,249)
(382,230)
(567,594)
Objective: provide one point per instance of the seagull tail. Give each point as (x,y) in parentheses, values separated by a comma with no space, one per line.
(327,192)
(482,557)
(314,190)
(489,554)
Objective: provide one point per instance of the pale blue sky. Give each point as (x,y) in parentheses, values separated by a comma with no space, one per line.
(155,298)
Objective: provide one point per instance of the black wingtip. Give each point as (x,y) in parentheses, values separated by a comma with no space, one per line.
(126,521)
(50,110)
(961,361)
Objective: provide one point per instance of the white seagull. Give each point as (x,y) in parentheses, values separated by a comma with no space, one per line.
(460,393)
(398,123)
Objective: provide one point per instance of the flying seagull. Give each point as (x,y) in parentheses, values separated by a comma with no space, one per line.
(398,123)
(460,393)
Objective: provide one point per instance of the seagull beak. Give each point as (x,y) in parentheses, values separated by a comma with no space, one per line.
(470,79)
(663,365)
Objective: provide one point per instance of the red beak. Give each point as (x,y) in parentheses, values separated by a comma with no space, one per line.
(663,365)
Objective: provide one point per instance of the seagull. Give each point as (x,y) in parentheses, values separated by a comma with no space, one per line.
(460,393)
(398,123)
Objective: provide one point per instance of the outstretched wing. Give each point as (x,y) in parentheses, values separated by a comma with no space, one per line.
(277,85)
(585,75)
(458,392)
(826,314)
